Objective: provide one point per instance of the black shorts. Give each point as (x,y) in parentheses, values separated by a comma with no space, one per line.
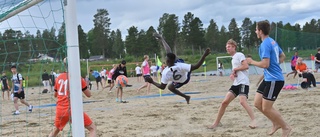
(178,85)
(20,96)
(239,90)
(5,88)
(139,75)
(102,77)
(270,89)
(109,80)
(98,79)
(144,77)
(293,68)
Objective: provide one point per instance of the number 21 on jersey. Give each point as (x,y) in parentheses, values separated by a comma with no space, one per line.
(63,87)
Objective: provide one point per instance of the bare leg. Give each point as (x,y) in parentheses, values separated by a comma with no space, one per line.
(164,43)
(24,102)
(245,105)
(148,87)
(54,133)
(92,130)
(143,86)
(177,92)
(229,97)
(15,101)
(8,94)
(111,85)
(258,105)
(2,95)
(275,116)
(120,91)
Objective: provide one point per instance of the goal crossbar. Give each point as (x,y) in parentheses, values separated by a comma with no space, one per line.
(19,7)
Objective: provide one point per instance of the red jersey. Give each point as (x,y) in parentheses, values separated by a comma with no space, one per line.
(62,89)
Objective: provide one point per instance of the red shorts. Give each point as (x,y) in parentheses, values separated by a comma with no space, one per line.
(62,118)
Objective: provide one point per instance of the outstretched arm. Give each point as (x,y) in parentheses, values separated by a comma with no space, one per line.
(161,86)
(164,43)
(200,62)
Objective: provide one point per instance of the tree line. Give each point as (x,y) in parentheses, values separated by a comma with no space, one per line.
(186,38)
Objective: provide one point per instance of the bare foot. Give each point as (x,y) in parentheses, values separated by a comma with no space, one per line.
(286,132)
(274,129)
(214,126)
(188,99)
(253,124)
(157,35)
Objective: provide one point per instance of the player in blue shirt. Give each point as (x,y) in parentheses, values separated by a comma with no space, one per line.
(271,56)
(97,76)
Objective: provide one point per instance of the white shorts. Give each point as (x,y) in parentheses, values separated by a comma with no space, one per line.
(46,83)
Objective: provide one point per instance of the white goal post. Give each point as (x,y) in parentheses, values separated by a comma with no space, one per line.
(17,8)
(217,61)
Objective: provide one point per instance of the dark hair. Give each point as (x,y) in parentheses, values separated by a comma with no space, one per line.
(91,70)
(264,26)
(13,66)
(123,62)
(171,56)
(318,49)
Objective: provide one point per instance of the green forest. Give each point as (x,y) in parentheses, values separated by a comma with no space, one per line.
(188,37)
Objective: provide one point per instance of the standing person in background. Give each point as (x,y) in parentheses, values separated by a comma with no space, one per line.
(45,80)
(146,73)
(103,77)
(131,72)
(138,72)
(97,76)
(220,68)
(154,72)
(52,77)
(271,55)
(18,90)
(110,80)
(317,60)
(5,85)
(121,69)
(88,82)
(293,64)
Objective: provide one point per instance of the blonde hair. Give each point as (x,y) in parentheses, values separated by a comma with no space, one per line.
(232,42)
(145,56)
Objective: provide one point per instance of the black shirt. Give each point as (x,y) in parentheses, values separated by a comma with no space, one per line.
(45,76)
(4,81)
(317,56)
(119,71)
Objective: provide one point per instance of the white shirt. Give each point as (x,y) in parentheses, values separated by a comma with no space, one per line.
(103,73)
(16,82)
(153,69)
(243,76)
(138,70)
(177,73)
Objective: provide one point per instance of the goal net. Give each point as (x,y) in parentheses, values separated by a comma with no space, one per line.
(32,38)
(227,66)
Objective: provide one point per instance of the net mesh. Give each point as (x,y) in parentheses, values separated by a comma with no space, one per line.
(32,37)
(289,39)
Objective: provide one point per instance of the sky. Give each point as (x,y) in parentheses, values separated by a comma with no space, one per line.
(145,13)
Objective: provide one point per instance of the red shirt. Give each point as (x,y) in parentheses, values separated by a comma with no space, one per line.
(62,89)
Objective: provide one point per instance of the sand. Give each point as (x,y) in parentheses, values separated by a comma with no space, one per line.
(170,116)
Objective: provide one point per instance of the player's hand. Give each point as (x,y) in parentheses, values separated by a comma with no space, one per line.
(232,77)
(207,52)
(249,60)
(19,91)
(149,79)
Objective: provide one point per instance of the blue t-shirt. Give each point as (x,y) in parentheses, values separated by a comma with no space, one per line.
(95,74)
(271,50)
